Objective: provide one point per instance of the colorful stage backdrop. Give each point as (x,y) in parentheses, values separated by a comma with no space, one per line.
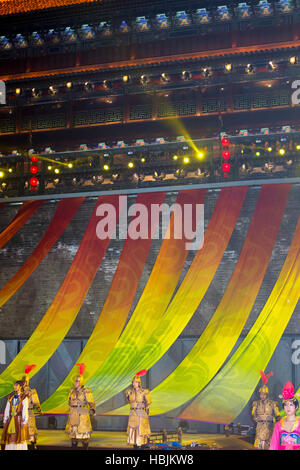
(149,292)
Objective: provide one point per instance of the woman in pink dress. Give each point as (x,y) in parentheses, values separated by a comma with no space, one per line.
(286,434)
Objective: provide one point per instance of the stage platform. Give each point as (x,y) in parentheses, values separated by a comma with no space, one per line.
(58,440)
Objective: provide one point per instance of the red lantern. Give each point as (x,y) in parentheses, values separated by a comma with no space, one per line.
(34,159)
(226,154)
(34,169)
(226,167)
(225,142)
(34,181)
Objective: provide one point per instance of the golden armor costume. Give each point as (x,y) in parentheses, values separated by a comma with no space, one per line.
(263,412)
(81,404)
(15,429)
(33,404)
(138,430)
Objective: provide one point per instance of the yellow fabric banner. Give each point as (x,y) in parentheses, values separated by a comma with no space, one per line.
(228,393)
(222,332)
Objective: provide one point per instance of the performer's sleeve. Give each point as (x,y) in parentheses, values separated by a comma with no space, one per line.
(6,412)
(90,400)
(25,411)
(147,398)
(254,417)
(276,410)
(69,397)
(36,401)
(127,395)
(275,441)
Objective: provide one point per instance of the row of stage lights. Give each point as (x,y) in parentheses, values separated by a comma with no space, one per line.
(201,16)
(145,79)
(185,159)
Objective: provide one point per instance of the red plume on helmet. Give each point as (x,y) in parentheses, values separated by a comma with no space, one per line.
(265,377)
(81,368)
(141,373)
(28,369)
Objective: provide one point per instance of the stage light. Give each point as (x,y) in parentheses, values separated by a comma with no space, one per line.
(162,21)
(124,28)
(88,87)
(243,10)
(49,167)
(107,85)
(269,149)
(228,67)
(18,91)
(52,90)
(200,155)
(292,60)
(126,79)
(36,39)
(206,72)
(175,157)
(69,34)
(20,41)
(186,160)
(202,16)
(271,66)
(1,174)
(225,154)
(144,80)
(106,167)
(5,44)
(281,151)
(223,13)
(165,77)
(298,147)
(250,68)
(257,154)
(69,85)
(143,160)
(130,165)
(53,36)
(284,6)
(142,24)
(105,29)
(185,75)
(182,19)
(36,93)
(57,171)
(86,32)
(10,170)
(70,165)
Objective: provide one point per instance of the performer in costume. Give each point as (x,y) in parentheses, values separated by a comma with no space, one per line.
(81,404)
(15,421)
(33,404)
(286,435)
(263,412)
(138,424)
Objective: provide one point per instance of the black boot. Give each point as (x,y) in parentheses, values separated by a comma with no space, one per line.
(85,445)
(74,445)
(32,446)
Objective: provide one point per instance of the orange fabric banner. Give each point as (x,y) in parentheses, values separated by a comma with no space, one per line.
(66,304)
(115,310)
(26,211)
(65,211)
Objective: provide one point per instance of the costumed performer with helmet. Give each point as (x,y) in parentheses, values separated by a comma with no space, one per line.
(81,405)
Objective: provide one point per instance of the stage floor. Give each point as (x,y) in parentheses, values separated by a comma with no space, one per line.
(117,440)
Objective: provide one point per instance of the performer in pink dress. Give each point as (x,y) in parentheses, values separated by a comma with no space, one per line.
(286,434)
